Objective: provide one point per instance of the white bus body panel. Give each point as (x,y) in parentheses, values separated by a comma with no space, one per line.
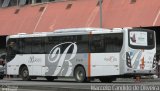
(104,64)
(35,64)
(141,61)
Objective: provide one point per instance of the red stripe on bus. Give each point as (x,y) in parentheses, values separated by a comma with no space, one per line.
(89,64)
(89,58)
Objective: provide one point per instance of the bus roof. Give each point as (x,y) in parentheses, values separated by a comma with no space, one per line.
(70,31)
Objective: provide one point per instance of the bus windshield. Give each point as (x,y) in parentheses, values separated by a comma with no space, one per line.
(141,39)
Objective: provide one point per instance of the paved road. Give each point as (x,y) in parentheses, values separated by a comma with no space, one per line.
(40,84)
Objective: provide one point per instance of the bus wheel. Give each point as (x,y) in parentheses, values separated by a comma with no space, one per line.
(107,79)
(25,74)
(1,77)
(50,78)
(80,74)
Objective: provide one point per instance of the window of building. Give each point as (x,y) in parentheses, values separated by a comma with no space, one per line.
(22,2)
(69,6)
(39,1)
(51,0)
(1,2)
(45,0)
(99,1)
(13,2)
(6,3)
(132,1)
(16,11)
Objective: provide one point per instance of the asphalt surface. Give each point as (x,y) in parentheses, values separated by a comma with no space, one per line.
(69,84)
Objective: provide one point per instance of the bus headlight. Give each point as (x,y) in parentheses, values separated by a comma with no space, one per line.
(154,65)
(128,59)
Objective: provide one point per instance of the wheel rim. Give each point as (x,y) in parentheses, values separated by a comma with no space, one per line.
(80,75)
(25,73)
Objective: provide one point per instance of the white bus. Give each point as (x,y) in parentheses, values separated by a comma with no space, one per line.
(82,53)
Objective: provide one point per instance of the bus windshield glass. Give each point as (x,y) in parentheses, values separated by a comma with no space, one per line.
(141,39)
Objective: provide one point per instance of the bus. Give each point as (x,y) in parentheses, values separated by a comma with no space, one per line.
(82,53)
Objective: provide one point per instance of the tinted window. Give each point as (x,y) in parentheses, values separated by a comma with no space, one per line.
(12,49)
(67,41)
(50,43)
(82,43)
(113,42)
(26,45)
(38,45)
(30,45)
(97,43)
(102,43)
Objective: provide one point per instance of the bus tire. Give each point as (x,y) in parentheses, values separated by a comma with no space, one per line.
(1,77)
(25,74)
(50,78)
(80,74)
(107,79)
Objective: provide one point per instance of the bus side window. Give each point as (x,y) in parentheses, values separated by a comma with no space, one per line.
(38,45)
(21,46)
(50,43)
(113,42)
(11,49)
(64,46)
(97,43)
(82,43)
(27,45)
